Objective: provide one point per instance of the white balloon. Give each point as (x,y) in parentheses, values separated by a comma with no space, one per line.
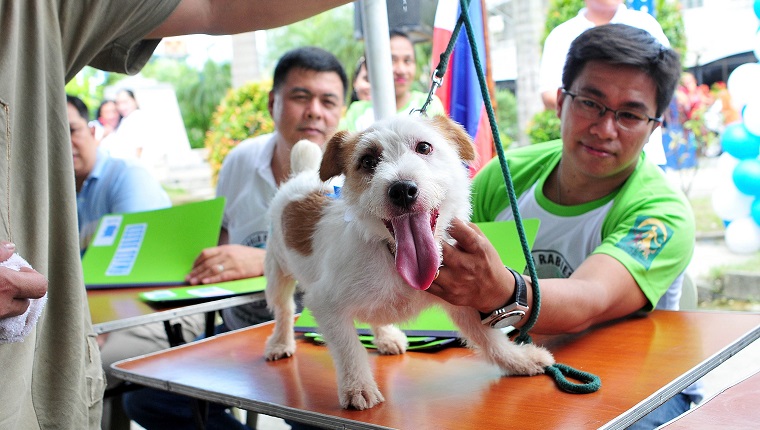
(725,165)
(751,117)
(757,45)
(743,236)
(744,84)
(728,202)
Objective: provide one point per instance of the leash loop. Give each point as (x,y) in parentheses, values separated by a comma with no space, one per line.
(590,383)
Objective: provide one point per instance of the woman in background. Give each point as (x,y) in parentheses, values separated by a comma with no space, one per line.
(108,119)
(404,69)
(361,88)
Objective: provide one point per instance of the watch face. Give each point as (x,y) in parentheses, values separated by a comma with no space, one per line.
(508,319)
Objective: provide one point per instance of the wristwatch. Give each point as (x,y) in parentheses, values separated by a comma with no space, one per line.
(514,310)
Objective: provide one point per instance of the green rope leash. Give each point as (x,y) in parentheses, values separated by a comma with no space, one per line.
(523,336)
(590,383)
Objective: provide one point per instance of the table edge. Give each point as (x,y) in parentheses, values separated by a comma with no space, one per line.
(679,384)
(160,316)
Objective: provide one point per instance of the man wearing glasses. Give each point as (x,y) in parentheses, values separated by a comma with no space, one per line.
(615,237)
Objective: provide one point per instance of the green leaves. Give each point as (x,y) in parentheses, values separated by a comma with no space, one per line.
(544,126)
(241,114)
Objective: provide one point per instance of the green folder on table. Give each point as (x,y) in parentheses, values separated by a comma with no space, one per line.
(434,321)
(153,247)
(166,296)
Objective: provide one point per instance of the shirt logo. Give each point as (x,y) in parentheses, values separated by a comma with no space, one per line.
(645,240)
(257,239)
(551,264)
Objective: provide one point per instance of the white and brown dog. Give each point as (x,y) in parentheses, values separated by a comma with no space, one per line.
(369,254)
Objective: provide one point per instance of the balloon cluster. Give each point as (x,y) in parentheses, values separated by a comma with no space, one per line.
(736,198)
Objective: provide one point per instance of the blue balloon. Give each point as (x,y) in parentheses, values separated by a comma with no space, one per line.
(755,212)
(746,177)
(739,142)
(757,8)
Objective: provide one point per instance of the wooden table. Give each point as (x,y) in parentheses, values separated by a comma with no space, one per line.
(120,308)
(642,362)
(734,408)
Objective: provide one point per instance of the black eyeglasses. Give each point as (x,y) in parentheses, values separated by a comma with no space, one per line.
(628,119)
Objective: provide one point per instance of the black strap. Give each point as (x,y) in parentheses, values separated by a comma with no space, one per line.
(519,296)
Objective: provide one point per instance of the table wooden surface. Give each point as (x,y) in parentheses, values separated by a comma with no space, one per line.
(734,408)
(120,308)
(641,361)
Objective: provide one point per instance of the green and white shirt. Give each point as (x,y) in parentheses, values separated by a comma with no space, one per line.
(647,225)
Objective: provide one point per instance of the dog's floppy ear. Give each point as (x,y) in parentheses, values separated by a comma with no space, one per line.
(457,135)
(333,160)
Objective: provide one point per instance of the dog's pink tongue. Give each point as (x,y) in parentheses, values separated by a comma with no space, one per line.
(417,257)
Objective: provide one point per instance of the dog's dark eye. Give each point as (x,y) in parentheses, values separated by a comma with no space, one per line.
(424,148)
(368,162)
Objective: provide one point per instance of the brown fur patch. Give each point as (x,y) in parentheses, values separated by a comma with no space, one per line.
(336,156)
(299,222)
(456,134)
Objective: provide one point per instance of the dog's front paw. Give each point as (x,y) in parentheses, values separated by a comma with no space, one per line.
(389,340)
(533,361)
(361,398)
(277,350)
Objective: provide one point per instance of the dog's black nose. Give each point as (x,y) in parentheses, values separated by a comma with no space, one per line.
(403,193)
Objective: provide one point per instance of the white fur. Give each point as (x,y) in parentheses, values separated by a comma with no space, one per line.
(351,275)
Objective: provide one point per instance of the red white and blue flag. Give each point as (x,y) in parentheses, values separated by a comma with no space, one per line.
(460,91)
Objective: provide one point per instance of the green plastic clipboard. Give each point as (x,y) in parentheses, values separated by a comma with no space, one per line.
(153,247)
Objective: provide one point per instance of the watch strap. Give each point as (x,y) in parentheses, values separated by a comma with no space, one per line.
(521,288)
(520,295)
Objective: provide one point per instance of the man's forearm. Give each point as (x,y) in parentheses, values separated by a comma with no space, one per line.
(217,17)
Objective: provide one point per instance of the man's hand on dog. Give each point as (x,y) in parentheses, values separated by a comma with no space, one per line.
(17,288)
(472,273)
(226,263)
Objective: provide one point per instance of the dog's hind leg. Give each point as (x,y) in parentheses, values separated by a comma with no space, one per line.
(513,359)
(279,294)
(389,340)
(356,385)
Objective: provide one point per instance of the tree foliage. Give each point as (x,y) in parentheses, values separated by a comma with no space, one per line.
(544,126)
(670,18)
(242,113)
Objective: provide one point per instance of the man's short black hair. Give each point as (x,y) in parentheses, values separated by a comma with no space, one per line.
(308,58)
(79,105)
(400,33)
(624,45)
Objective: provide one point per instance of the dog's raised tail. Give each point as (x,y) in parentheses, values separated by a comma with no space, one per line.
(305,155)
